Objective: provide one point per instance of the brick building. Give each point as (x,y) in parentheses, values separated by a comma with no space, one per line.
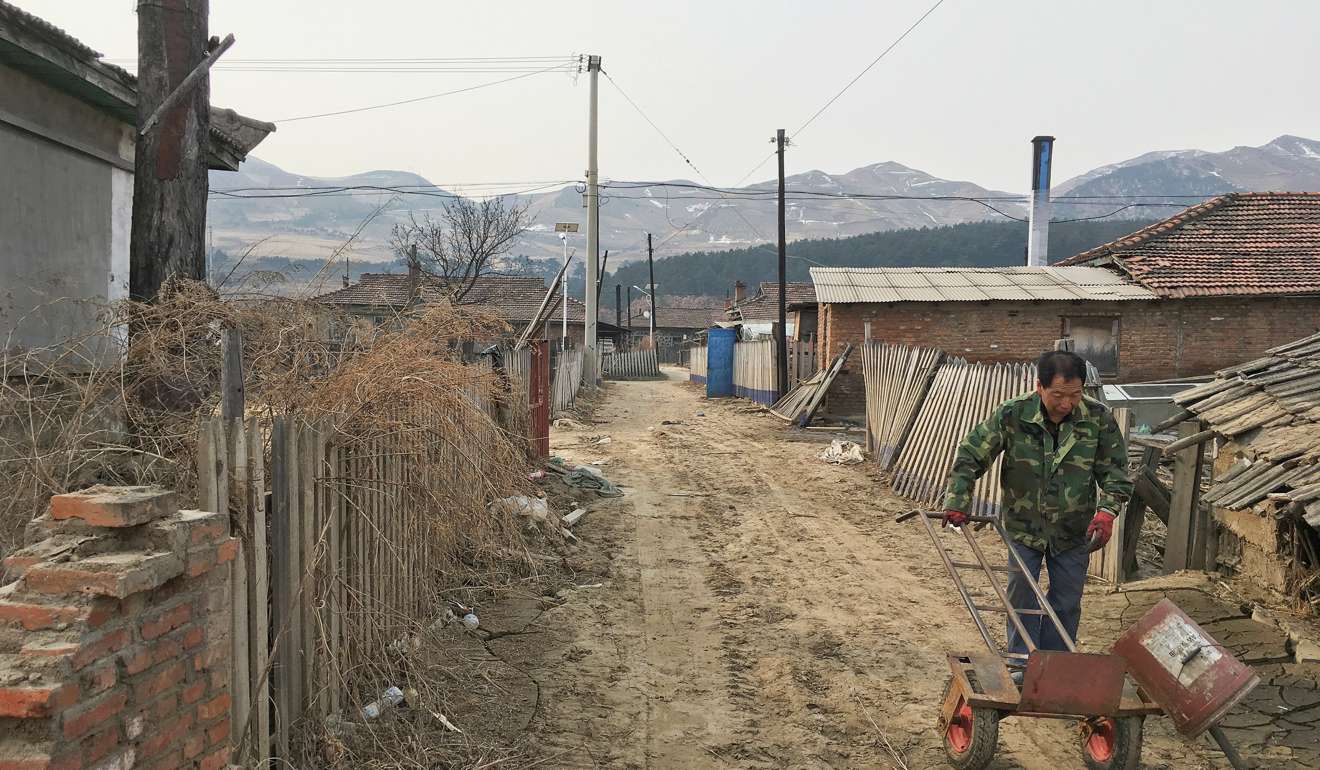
(1214,285)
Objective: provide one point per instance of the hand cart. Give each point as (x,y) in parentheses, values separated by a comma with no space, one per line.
(1093,689)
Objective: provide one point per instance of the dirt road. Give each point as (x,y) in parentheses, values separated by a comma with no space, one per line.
(750,606)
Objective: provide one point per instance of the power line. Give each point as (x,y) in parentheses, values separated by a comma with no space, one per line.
(421,98)
(874,62)
(843,90)
(645,117)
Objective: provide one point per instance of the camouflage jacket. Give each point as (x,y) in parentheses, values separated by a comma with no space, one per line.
(1049,491)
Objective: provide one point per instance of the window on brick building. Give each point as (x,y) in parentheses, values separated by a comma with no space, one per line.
(1096,340)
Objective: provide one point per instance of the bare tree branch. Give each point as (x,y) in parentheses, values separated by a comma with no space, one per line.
(459,247)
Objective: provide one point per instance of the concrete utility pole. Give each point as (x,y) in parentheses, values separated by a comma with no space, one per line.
(169,185)
(781,335)
(590,362)
(1038,237)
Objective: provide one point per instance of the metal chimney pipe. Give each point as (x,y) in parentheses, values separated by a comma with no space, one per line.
(1038,236)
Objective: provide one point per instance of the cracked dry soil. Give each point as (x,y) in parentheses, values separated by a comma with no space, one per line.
(748,606)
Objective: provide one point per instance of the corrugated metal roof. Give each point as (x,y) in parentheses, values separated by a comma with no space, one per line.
(971,284)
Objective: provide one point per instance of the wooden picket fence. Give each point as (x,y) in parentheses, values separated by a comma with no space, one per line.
(754,373)
(567,380)
(339,562)
(801,361)
(633,365)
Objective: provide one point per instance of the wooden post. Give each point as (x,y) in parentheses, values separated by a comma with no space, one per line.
(1179,547)
(170,163)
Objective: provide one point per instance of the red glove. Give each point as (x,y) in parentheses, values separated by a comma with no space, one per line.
(956,518)
(1101,529)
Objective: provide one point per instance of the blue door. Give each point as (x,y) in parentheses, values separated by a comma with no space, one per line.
(719,362)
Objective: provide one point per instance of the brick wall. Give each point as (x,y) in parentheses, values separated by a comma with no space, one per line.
(113,636)
(1158,339)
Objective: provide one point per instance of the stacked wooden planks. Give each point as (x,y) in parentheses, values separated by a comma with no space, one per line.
(960,396)
(799,405)
(897,378)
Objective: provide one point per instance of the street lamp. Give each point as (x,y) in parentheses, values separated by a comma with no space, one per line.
(649,315)
(564,228)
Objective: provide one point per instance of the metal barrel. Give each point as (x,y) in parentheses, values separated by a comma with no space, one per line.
(1192,677)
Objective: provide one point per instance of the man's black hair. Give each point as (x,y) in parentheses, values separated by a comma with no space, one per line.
(1060,363)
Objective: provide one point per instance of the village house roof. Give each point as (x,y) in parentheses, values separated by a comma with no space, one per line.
(51,55)
(515,297)
(680,311)
(1269,409)
(1237,244)
(971,284)
(764,304)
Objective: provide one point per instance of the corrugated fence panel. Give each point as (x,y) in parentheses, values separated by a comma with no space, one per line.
(633,365)
(960,396)
(897,378)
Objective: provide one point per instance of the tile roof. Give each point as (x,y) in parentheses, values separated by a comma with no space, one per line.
(1236,244)
(46,52)
(764,305)
(516,297)
(1270,410)
(971,284)
(677,311)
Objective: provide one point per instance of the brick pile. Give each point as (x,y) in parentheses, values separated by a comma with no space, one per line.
(114,648)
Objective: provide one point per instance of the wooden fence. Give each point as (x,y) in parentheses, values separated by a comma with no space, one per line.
(754,375)
(567,380)
(960,396)
(633,365)
(801,361)
(344,564)
(897,378)
(696,360)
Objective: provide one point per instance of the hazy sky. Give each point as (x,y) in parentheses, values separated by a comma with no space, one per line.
(959,98)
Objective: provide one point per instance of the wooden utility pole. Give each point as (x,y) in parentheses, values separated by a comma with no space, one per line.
(618,305)
(169,184)
(650,267)
(781,336)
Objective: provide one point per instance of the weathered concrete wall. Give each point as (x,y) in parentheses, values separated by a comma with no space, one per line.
(114,648)
(65,214)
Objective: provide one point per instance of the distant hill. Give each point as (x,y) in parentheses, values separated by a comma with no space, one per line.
(976,244)
(696,220)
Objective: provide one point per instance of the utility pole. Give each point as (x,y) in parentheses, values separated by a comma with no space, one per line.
(590,365)
(650,268)
(168,234)
(629,308)
(618,304)
(781,336)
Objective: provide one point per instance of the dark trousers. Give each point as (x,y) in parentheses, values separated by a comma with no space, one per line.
(1067,572)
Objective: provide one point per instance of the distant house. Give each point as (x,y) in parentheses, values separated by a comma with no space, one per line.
(67,149)
(680,319)
(760,311)
(1216,284)
(380,297)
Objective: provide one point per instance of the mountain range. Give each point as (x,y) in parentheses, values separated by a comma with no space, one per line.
(313,222)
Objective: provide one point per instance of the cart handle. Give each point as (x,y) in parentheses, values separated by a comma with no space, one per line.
(902,517)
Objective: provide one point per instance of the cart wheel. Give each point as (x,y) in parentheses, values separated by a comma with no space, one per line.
(1112,744)
(972,736)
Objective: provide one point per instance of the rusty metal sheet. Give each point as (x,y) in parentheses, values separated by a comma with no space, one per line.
(1196,679)
(985,680)
(1072,683)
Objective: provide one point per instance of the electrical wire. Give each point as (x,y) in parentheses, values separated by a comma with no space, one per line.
(421,98)
(844,90)
(647,118)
